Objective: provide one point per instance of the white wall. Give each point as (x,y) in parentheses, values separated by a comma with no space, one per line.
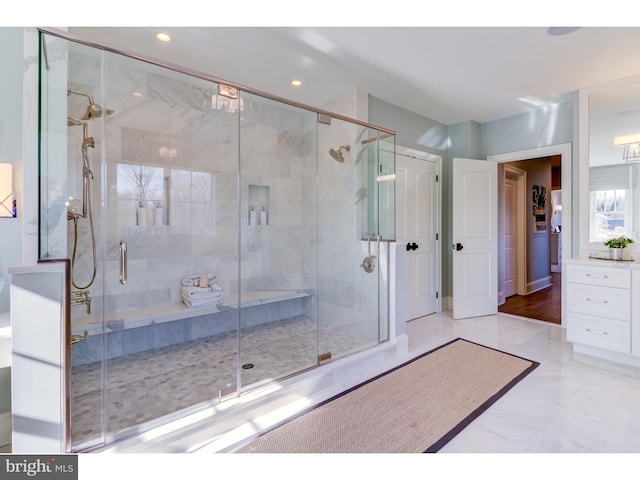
(11,58)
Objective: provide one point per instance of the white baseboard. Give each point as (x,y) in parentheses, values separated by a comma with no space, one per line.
(538,284)
(5,428)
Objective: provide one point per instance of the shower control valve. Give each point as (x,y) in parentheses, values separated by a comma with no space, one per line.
(369,264)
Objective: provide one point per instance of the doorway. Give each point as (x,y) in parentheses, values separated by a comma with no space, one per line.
(530,253)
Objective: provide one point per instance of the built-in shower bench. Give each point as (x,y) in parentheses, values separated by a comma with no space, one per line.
(141,329)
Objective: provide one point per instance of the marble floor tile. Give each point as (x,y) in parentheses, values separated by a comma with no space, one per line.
(571,403)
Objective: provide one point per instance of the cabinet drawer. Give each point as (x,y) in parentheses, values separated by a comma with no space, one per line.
(603,276)
(600,301)
(599,332)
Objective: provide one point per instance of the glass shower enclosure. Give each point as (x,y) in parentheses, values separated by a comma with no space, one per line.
(219,239)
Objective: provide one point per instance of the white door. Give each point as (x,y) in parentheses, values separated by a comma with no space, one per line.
(475,246)
(510,237)
(417,232)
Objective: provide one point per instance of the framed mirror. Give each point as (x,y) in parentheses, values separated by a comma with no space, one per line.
(611,191)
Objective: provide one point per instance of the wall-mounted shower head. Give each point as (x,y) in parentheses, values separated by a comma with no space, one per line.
(337,154)
(93,110)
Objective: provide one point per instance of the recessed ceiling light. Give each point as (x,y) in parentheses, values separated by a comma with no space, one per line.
(296,83)
(163,37)
(556,31)
(628,113)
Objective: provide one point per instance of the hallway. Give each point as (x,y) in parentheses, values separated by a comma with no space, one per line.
(542,305)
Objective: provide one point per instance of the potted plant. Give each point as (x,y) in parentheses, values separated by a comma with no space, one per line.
(616,245)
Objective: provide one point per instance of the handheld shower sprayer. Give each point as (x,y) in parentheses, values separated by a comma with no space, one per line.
(93,111)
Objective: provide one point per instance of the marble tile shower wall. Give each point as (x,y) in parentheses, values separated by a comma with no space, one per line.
(313,210)
(202,232)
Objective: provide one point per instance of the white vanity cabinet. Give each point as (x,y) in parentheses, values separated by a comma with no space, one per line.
(602,309)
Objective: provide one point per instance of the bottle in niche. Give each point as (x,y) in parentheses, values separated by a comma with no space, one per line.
(252,215)
(141,215)
(263,216)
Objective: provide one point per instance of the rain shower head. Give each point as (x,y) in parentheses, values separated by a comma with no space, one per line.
(337,154)
(93,109)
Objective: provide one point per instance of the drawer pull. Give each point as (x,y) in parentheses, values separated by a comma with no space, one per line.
(596,301)
(597,276)
(599,332)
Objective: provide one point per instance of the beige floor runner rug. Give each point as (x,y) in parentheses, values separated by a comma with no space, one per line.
(416,407)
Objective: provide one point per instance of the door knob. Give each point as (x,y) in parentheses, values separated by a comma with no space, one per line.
(457,247)
(412,246)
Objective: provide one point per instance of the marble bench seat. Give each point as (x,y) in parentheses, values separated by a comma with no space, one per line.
(142,329)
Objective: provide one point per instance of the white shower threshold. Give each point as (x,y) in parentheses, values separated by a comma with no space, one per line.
(225,426)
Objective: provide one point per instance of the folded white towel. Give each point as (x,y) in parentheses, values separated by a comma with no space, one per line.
(194,280)
(200,291)
(213,298)
(193,291)
(202,301)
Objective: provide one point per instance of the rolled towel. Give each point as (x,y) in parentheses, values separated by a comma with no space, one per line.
(194,280)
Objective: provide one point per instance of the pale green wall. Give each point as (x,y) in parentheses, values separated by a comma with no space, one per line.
(550,125)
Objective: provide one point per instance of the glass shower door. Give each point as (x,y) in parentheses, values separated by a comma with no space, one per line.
(278,228)
(171,245)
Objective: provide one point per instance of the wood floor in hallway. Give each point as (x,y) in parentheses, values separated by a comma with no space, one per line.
(541,305)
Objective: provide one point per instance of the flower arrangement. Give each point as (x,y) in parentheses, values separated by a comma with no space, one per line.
(618,242)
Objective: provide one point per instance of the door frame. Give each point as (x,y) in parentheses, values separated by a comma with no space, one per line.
(565,151)
(521,231)
(437,159)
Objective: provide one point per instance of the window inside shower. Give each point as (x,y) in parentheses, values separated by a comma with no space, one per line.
(227,243)
(150,196)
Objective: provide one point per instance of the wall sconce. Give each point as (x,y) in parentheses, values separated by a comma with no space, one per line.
(7,195)
(631,144)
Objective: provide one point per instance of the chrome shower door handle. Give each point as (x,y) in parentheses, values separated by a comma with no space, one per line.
(123,262)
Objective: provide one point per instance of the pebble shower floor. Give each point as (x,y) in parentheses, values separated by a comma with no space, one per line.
(147,385)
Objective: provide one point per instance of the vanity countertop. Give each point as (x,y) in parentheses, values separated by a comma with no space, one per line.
(595,259)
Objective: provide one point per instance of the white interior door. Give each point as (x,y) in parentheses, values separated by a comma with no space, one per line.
(510,237)
(417,206)
(475,231)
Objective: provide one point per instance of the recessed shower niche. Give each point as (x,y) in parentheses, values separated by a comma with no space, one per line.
(258,205)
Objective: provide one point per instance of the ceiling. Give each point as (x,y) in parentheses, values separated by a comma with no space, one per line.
(449,74)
